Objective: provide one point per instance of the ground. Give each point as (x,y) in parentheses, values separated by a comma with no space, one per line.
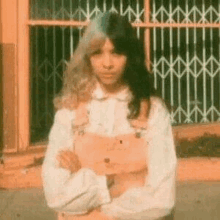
(195,201)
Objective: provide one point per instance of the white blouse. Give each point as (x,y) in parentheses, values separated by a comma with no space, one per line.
(79,192)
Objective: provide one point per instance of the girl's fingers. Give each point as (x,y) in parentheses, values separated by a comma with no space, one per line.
(63,162)
(70,156)
(68,153)
(69,160)
(65,155)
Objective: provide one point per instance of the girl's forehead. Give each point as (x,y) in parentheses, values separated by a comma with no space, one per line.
(108,45)
(97,43)
(101,40)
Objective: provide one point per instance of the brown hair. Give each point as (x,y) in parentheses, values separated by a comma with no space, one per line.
(78,79)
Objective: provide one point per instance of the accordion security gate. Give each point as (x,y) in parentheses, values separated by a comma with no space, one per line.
(182,40)
(186,58)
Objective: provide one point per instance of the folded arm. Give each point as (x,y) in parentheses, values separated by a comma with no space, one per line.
(76,192)
(156,197)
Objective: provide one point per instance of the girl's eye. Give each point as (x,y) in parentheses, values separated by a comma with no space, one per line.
(117,52)
(96,52)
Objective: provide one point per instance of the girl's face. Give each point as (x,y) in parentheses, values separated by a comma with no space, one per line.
(108,65)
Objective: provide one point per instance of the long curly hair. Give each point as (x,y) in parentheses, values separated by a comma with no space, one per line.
(78,80)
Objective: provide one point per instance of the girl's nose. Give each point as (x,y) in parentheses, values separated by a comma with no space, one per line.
(107,61)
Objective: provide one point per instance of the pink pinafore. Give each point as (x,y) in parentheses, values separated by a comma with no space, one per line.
(125,156)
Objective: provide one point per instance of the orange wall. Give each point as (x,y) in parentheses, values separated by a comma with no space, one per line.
(8,72)
(9,21)
(1,92)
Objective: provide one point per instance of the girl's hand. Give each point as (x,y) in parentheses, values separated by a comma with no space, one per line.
(110,180)
(114,190)
(69,160)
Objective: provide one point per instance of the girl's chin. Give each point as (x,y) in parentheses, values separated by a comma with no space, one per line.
(108,82)
(111,85)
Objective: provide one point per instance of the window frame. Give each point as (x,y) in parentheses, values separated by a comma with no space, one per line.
(72,23)
(19,23)
(21,152)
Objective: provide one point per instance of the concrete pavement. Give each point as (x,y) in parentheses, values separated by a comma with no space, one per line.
(195,201)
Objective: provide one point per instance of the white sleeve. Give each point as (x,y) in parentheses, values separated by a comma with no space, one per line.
(157,197)
(75,193)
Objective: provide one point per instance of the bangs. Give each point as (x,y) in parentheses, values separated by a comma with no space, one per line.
(120,32)
(122,45)
(95,44)
(114,27)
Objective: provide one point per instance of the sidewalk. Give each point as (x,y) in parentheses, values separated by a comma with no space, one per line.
(195,201)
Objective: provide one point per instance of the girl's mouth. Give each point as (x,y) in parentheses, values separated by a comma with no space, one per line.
(108,75)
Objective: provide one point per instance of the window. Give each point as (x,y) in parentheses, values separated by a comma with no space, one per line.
(182,41)
(53,40)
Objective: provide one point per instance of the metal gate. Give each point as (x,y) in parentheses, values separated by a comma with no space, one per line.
(182,41)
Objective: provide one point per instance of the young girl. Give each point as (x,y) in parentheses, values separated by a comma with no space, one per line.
(111,153)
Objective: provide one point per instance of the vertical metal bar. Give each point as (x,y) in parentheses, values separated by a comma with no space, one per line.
(54,61)
(138,14)
(104,6)
(45,9)
(62,3)
(137,10)
(63,46)
(87,9)
(138,32)
(96,6)
(47,113)
(195,66)
(63,49)
(113,5)
(147,34)
(187,69)
(37,119)
(79,28)
(171,60)
(179,69)
(163,56)
(212,69)
(204,67)
(154,50)
(80,13)
(129,11)
(36,100)
(46,77)
(121,7)
(71,28)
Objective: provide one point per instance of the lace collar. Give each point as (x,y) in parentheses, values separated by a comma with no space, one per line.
(122,95)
